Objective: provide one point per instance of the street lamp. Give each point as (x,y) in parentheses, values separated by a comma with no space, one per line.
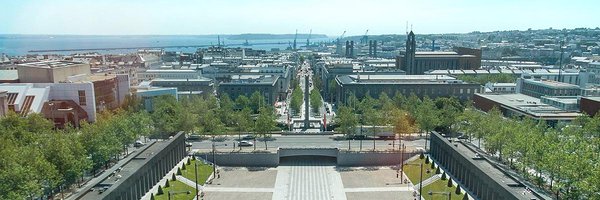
(173,193)
(214,161)
(420,177)
(449,194)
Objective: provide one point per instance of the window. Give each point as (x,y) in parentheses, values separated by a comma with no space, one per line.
(82,100)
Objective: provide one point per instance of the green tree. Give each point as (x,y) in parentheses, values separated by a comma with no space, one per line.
(166,116)
(242,102)
(257,100)
(347,122)
(265,123)
(315,101)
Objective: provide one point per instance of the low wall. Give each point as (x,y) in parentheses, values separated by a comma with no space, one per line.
(374,158)
(244,159)
(286,152)
(344,158)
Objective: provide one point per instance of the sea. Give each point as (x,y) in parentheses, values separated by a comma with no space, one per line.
(17,45)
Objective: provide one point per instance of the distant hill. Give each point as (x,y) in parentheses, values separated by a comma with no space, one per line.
(257,36)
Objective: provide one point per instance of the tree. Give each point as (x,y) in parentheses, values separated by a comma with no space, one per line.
(265,123)
(402,122)
(160,190)
(427,116)
(242,102)
(315,100)
(243,119)
(179,171)
(457,191)
(347,122)
(152,196)
(167,184)
(449,182)
(257,100)
(444,176)
(296,101)
(332,89)
(173,177)
(166,115)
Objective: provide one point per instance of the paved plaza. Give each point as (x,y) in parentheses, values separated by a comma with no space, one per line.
(304,178)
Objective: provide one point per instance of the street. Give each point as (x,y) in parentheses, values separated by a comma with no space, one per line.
(305,141)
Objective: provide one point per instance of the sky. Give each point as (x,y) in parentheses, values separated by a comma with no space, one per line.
(331,17)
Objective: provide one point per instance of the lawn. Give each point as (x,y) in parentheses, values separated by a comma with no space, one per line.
(412,169)
(204,171)
(178,187)
(441,186)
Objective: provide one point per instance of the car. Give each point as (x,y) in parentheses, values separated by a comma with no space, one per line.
(188,144)
(249,137)
(194,137)
(138,144)
(463,137)
(245,143)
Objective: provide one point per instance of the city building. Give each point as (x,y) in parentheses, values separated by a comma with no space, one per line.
(198,85)
(589,105)
(504,88)
(420,85)
(520,105)
(3,102)
(168,74)
(477,173)
(541,87)
(50,71)
(417,63)
(246,85)
(327,69)
(9,76)
(147,95)
(140,173)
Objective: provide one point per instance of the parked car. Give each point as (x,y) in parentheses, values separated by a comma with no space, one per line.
(463,137)
(248,137)
(245,143)
(138,144)
(188,144)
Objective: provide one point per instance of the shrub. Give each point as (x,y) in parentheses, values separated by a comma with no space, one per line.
(421,156)
(160,191)
(432,165)
(444,176)
(152,196)
(179,171)
(437,170)
(466,197)
(458,191)
(173,177)
(449,182)
(189,161)
(183,166)
(427,160)
(167,184)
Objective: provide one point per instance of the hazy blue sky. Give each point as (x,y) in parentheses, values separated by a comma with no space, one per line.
(330,17)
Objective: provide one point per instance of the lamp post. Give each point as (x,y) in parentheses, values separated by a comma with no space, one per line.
(196,181)
(173,193)
(420,177)
(214,161)
(449,194)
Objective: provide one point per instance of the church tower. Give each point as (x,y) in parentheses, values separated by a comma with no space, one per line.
(409,57)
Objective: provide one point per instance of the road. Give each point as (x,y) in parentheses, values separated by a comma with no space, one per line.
(308,141)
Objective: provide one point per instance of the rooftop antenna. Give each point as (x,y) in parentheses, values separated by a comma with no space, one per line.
(406,28)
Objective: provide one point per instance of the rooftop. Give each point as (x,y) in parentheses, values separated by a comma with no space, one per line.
(496,172)
(397,79)
(530,105)
(130,167)
(50,64)
(9,75)
(551,83)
